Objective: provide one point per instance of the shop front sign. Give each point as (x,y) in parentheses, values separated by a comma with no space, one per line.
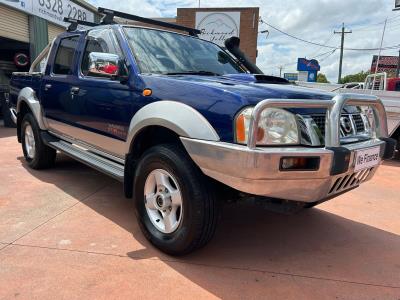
(52,10)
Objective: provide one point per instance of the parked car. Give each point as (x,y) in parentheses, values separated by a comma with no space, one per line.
(177,118)
(353,85)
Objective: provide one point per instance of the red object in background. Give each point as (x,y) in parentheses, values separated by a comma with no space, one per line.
(110,69)
(393,84)
(21,60)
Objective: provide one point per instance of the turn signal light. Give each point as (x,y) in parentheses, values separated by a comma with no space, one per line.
(299,163)
(147,92)
(240,130)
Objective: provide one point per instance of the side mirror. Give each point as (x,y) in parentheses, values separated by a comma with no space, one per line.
(107,65)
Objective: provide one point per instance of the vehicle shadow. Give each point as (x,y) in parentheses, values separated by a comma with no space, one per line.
(314,244)
(7,132)
(395,162)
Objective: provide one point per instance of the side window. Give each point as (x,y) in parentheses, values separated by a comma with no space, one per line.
(65,54)
(102,55)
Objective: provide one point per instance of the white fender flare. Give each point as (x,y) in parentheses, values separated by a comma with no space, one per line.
(178,117)
(27,95)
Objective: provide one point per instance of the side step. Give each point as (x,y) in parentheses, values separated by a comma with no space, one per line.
(91,159)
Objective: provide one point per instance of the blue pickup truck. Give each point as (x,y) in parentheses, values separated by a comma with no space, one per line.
(177,119)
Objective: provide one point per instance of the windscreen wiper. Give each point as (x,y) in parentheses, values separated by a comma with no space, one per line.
(205,73)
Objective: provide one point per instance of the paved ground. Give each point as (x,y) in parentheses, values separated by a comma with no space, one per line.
(69,233)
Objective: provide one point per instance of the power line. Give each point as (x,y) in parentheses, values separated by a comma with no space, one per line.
(328,46)
(330,52)
(295,37)
(320,48)
(326,57)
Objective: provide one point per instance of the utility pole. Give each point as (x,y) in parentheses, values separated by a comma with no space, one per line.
(280,71)
(342,32)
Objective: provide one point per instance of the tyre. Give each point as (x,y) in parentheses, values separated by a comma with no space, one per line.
(5,110)
(175,205)
(37,154)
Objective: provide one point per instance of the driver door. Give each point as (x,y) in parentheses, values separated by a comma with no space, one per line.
(107,103)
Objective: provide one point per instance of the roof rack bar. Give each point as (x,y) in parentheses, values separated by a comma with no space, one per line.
(110,14)
(74,23)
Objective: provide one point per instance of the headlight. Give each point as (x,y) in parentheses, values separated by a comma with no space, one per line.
(276,127)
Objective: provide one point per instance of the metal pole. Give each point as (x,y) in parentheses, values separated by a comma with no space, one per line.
(398,67)
(342,32)
(379,56)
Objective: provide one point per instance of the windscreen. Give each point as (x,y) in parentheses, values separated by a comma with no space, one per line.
(167,53)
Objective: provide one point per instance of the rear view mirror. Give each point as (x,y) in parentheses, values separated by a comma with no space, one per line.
(104,65)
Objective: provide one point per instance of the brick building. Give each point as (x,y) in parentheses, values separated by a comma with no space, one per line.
(248,24)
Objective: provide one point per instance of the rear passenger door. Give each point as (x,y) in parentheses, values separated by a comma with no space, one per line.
(59,109)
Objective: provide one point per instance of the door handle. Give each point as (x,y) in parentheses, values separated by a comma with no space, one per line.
(74,90)
(47,87)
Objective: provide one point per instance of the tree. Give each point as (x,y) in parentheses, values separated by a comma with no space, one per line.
(358,77)
(321,78)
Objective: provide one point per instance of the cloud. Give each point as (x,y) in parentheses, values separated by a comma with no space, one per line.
(309,19)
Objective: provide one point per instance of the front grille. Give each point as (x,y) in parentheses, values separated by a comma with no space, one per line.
(359,123)
(355,119)
(349,181)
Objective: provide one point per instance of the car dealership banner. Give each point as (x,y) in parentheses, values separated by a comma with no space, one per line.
(218,26)
(52,10)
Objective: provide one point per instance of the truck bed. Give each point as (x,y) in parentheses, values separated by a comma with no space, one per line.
(20,80)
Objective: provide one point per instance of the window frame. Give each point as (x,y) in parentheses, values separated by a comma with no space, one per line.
(52,73)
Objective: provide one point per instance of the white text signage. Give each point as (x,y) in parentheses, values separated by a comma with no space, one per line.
(218,26)
(52,10)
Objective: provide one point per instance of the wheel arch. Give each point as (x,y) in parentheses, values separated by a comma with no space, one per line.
(160,123)
(27,99)
(177,117)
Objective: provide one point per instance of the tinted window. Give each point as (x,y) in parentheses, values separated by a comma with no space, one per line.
(100,41)
(165,52)
(65,55)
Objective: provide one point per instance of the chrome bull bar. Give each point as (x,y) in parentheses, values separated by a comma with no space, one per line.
(332,121)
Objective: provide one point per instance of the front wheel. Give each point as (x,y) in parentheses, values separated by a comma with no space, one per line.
(175,206)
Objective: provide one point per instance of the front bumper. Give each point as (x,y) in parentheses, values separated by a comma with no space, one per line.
(256,170)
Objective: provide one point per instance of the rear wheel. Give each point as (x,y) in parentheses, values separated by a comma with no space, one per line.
(37,154)
(175,206)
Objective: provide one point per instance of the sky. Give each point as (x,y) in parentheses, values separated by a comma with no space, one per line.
(311,20)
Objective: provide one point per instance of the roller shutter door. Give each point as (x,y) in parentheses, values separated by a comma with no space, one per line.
(13,24)
(54,30)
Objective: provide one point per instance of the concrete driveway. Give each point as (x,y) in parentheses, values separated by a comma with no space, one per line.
(68,233)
